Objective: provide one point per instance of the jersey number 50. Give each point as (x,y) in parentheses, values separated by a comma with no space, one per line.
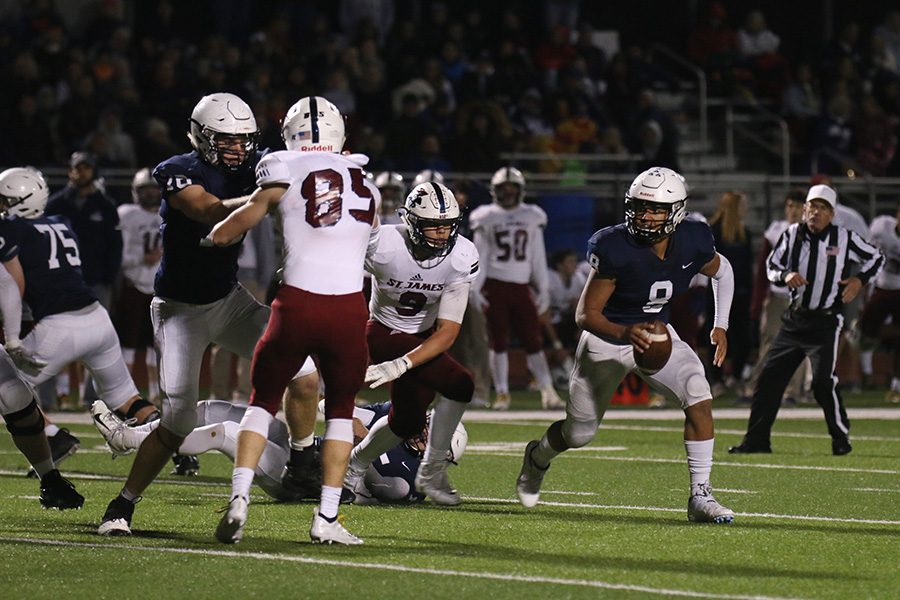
(660,294)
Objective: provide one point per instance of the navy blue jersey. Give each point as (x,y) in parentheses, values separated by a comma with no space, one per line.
(399,461)
(189,272)
(48,251)
(645,284)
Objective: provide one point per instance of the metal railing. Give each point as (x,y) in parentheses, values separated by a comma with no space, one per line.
(759,114)
(702,97)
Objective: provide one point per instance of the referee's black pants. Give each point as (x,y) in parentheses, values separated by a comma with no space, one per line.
(812,334)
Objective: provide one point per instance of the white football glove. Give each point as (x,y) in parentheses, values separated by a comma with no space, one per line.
(24,360)
(387,371)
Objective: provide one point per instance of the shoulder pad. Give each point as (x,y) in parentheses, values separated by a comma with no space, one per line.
(273,169)
(464,257)
(178,172)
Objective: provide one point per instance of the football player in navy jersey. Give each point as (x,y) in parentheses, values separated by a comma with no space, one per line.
(637,268)
(197,298)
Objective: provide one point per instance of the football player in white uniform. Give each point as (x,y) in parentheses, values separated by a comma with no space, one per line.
(884,301)
(510,239)
(422,272)
(393,192)
(329,213)
(141,252)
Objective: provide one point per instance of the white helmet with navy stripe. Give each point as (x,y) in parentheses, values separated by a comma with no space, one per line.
(431,204)
(428,175)
(657,188)
(23,193)
(313,124)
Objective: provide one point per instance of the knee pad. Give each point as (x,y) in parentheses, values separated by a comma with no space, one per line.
(579,433)
(15,396)
(28,421)
(180,421)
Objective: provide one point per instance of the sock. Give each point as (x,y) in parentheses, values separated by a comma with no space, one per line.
(43,467)
(301,443)
(447,414)
(328,505)
(895,384)
(203,439)
(543,454)
(499,362)
(865,362)
(241,480)
(51,430)
(126,493)
(379,440)
(537,364)
(700,459)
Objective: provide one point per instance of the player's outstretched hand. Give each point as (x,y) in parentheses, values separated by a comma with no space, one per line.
(719,339)
(24,360)
(638,334)
(387,371)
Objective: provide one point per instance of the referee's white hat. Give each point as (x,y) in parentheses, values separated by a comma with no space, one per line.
(822,192)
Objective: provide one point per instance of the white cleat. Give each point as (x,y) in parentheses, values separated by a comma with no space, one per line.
(231,527)
(704,508)
(528,485)
(550,400)
(120,438)
(323,532)
(432,480)
(501,401)
(354,478)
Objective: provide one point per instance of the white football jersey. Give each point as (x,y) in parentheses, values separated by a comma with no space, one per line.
(140,236)
(511,235)
(406,294)
(884,235)
(772,235)
(327,214)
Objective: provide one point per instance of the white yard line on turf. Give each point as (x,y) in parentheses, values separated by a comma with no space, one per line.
(588,583)
(876,490)
(96,477)
(822,436)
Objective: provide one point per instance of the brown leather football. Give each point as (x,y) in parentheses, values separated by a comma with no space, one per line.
(657,355)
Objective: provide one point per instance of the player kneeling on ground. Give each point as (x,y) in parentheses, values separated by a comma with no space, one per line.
(638,267)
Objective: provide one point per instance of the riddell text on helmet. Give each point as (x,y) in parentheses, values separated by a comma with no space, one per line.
(318,148)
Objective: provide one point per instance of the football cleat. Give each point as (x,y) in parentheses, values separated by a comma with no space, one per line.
(185,465)
(550,400)
(58,492)
(747,448)
(841,447)
(353,479)
(303,473)
(120,438)
(528,485)
(704,508)
(323,531)
(501,401)
(432,480)
(231,526)
(62,446)
(117,518)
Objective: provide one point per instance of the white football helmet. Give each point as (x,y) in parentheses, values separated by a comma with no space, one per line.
(218,124)
(313,124)
(145,190)
(503,176)
(428,175)
(389,179)
(23,193)
(431,205)
(458,444)
(657,188)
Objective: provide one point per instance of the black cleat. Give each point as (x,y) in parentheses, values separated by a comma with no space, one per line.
(58,492)
(117,518)
(185,465)
(62,446)
(303,473)
(841,447)
(745,448)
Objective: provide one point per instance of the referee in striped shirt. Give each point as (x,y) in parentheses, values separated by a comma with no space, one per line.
(812,259)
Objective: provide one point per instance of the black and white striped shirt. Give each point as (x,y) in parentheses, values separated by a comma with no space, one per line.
(823,259)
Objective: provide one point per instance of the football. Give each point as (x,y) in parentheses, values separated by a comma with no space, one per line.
(657,355)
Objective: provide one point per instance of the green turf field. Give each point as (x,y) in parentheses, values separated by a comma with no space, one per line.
(612,524)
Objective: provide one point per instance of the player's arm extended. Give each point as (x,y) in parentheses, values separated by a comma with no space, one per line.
(249,215)
(722,276)
(199,205)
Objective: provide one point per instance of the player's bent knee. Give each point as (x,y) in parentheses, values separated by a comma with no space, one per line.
(696,390)
(27,421)
(579,433)
(407,426)
(14,396)
(179,421)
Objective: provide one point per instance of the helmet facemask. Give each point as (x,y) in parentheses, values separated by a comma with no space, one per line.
(431,206)
(229,151)
(649,231)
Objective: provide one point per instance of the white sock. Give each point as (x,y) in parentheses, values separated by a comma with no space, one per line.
(43,467)
(329,501)
(241,480)
(499,371)
(700,459)
(379,440)
(537,364)
(865,362)
(128,495)
(51,430)
(895,384)
(447,414)
(301,443)
(203,439)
